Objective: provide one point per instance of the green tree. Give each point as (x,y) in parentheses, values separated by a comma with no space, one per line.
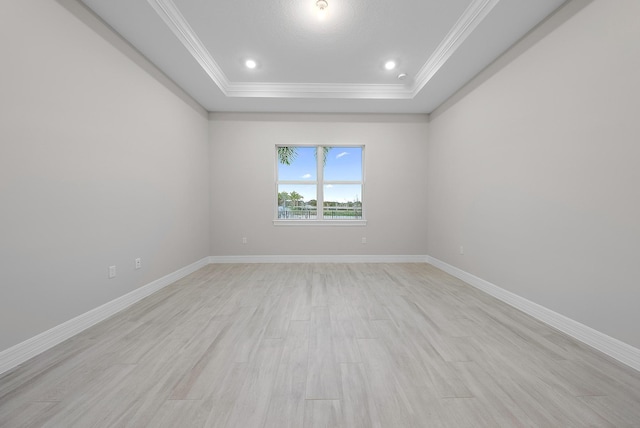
(295,197)
(282,198)
(287,154)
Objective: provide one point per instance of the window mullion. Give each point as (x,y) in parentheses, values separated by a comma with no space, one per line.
(320,184)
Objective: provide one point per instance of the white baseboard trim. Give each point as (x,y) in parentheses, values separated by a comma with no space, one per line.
(608,345)
(28,349)
(320,259)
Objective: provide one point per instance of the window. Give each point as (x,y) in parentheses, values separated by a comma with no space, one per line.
(309,177)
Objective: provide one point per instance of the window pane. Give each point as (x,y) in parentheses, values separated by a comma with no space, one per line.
(297,201)
(343,164)
(302,163)
(342,201)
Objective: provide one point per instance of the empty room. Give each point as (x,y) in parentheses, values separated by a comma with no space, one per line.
(319,213)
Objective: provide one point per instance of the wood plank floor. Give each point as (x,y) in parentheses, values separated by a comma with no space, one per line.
(320,345)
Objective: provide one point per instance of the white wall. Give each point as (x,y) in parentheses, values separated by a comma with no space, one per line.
(536,172)
(243,175)
(103,160)
(100,163)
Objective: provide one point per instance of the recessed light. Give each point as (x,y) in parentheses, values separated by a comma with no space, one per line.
(250,63)
(390,65)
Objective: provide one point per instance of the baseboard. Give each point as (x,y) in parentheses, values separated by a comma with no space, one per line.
(608,345)
(320,259)
(28,349)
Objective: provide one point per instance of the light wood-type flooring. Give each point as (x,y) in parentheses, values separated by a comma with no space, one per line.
(320,345)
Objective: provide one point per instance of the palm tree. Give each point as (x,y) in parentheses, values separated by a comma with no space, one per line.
(325,153)
(282,198)
(282,202)
(295,197)
(287,154)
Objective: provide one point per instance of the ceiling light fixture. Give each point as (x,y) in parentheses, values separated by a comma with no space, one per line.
(250,63)
(390,65)
(322,5)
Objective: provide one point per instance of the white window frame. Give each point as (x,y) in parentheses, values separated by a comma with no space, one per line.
(320,183)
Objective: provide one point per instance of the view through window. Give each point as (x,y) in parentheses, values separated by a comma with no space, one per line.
(309,177)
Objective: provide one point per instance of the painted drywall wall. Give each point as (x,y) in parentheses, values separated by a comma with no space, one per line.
(535,172)
(243,184)
(101,162)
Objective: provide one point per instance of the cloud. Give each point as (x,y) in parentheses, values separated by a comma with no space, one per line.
(329,186)
(306,176)
(341,154)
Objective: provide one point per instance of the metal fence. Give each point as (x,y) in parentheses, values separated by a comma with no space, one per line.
(330,213)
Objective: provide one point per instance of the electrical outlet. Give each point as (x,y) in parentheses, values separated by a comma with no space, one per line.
(112,272)
(364,240)
(461,249)
(244,240)
(138,263)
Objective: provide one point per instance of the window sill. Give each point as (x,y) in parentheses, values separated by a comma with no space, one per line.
(319,222)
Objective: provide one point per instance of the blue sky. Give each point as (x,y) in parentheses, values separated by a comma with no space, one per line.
(343,163)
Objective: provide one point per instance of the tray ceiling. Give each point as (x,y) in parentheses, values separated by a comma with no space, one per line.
(334,64)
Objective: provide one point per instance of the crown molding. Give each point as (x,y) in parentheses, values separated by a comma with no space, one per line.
(475,13)
(319,90)
(177,23)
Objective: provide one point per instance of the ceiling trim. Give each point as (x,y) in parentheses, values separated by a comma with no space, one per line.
(319,90)
(173,18)
(475,13)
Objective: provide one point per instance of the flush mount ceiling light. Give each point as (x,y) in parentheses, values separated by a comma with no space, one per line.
(250,63)
(322,6)
(390,65)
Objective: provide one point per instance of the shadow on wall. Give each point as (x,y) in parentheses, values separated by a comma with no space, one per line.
(91,20)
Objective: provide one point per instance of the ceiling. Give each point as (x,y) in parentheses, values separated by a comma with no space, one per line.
(334,64)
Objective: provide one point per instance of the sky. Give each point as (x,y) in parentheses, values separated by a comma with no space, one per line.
(343,164)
